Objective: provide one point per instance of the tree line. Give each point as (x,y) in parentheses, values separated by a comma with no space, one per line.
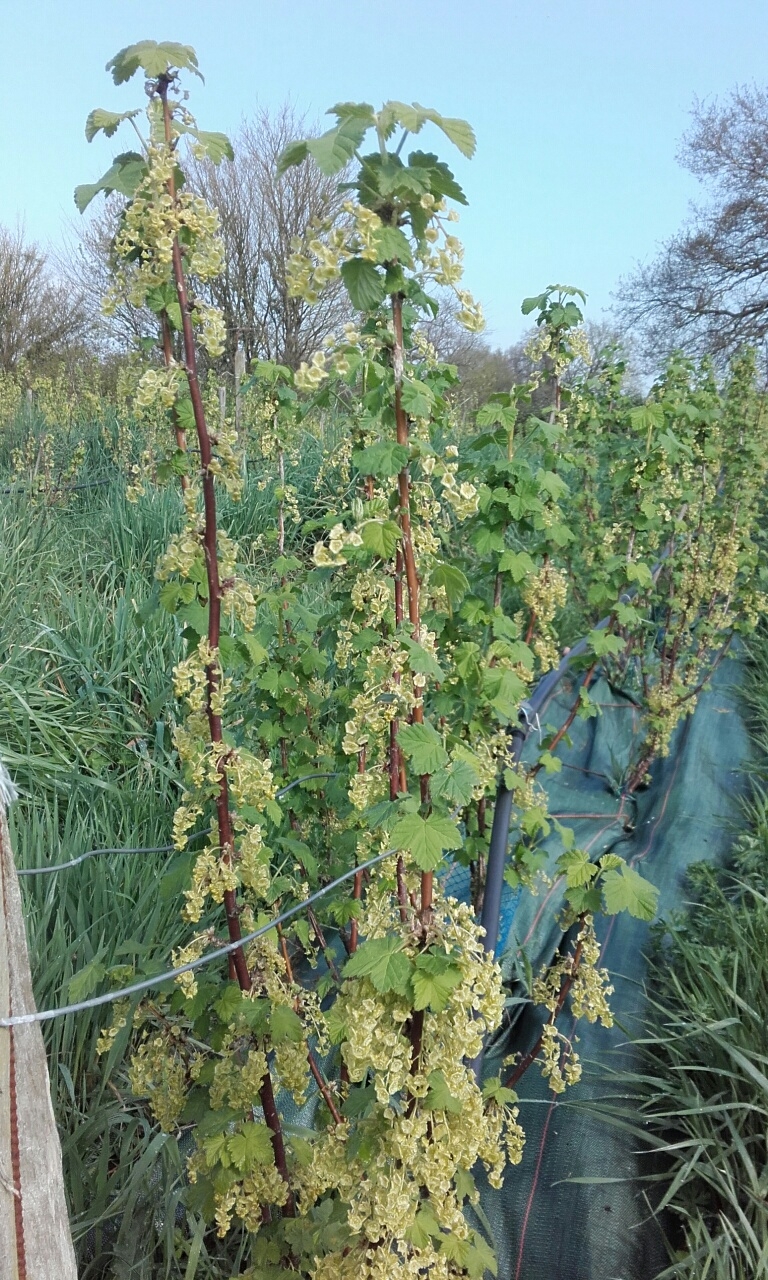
(705,290)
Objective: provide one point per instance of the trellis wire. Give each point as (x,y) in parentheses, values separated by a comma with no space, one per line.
(156,848)
(46,1015)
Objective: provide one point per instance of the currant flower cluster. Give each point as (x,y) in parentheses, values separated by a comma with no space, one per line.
(424,1142)
(463,498)
(545,593)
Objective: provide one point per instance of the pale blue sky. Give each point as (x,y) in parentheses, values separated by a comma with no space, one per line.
(578,108)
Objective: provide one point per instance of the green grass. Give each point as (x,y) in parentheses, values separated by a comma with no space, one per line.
(703,1093)
(86,715)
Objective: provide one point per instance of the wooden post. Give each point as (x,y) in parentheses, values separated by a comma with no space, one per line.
(239,374)
(35,1243)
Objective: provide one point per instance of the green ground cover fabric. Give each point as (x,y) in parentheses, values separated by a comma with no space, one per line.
(545,1223)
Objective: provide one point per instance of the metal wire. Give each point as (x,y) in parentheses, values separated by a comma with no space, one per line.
(156,848)
(46,1015)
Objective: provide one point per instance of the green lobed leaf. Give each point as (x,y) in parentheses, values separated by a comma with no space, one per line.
(251,1147)
(425,839)
(533,304)
(517,563)
(455,582)
(185,413)
(107,122)
(392,244)
(83,983)
(381,537)
(153,58)
(123,176)
(626,890)
(441,180)
(408,116)
(425,1226)
(285,1024)
(486,540)
(459,132)
(439,1096)
(333,150)
(602,642)
(422,661)
(217,146)
(435,977)
(577,867)
(384,962)
(417,398)
(455,783)
(295,153)
(364,284)
(382,460)
(353,110)
(495,1091)
(423,746)
(493,412)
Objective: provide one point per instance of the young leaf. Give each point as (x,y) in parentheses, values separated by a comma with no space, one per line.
(217,146)
(107,122)
(392,244)
(86,980)
(455,582)
(423,746)
(578,868)
(439,1096)
(459,132)
(626,890)
(417,399)
(382,460)
(602,642)
(123,176)
(365,285)
(384,962)
(495,1091)
(380,537)
(334,149)
(516,563)
(425,1226)
(425,838)
(153,58)
(455,783)
(422,661)
(295,153)
(285,1024)
(250,1147)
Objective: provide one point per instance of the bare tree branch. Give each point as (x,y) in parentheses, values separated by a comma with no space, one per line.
(707,290)
(40,316)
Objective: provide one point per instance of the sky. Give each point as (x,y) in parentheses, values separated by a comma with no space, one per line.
(579,109)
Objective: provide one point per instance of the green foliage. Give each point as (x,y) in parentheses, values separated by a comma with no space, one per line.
(154,59)
(344,679)
(425,838)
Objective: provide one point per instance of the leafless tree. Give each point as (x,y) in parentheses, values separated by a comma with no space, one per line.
(261,216)
(86,262)
(40,316)
(707,290)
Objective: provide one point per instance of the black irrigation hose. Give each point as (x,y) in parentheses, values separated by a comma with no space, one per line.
(502,814)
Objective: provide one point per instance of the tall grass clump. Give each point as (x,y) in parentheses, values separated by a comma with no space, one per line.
(86,715)
(704,1090)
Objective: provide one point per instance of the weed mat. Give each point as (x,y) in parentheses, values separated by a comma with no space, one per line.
(577,1207)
